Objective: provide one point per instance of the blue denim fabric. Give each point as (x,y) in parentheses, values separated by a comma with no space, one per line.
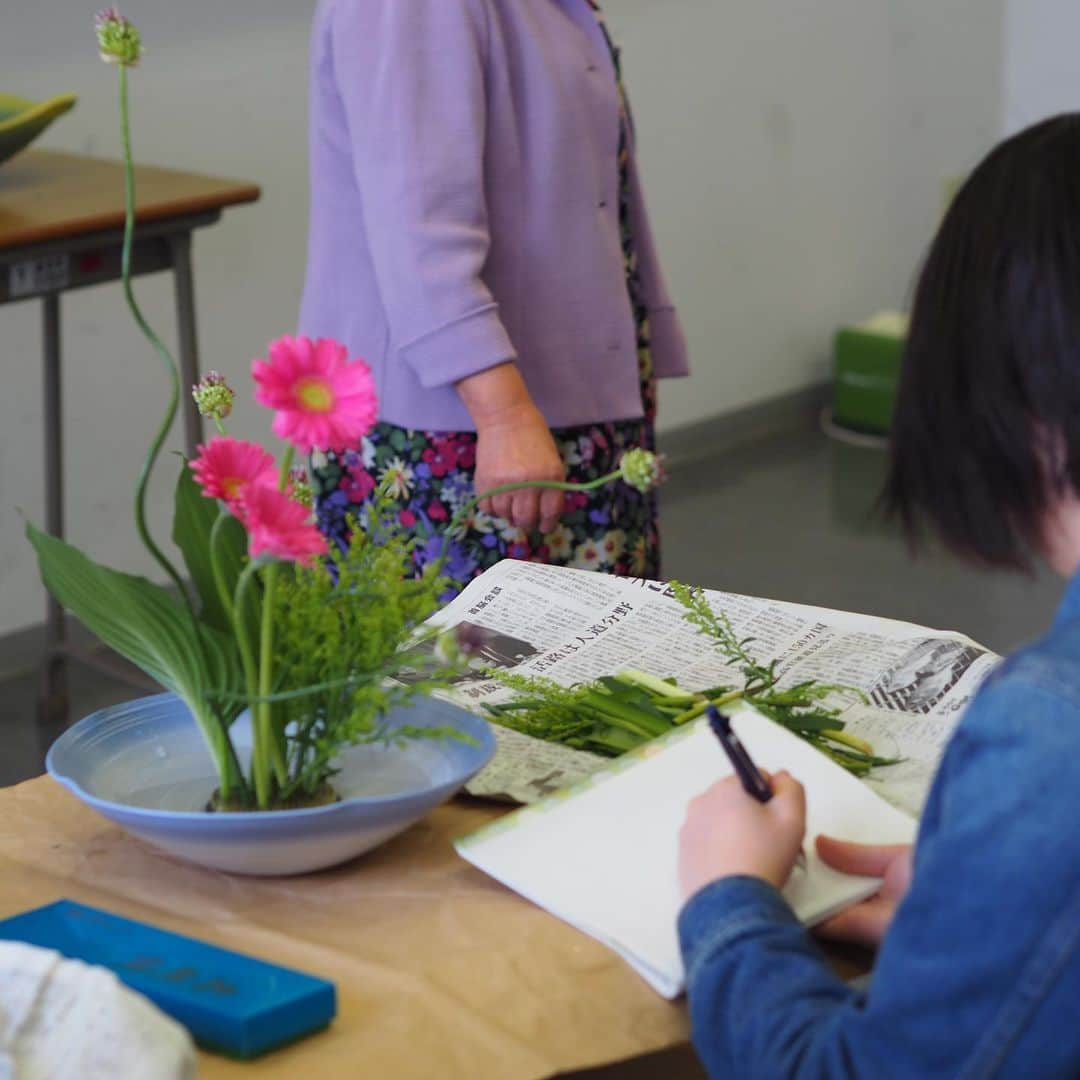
(979,974)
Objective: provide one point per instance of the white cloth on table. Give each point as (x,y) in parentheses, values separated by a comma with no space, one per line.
(63,1019)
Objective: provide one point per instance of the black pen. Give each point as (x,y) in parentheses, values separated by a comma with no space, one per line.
(748,773)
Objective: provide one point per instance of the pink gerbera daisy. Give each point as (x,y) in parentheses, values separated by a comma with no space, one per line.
(280,526)
(322,399)
(226,468)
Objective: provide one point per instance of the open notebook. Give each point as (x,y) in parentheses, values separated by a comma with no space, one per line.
(603,855)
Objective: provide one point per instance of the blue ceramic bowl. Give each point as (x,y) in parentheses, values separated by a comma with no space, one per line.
(144,766)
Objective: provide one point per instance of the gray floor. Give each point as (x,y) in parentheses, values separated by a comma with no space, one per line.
(792,518)
(788,518)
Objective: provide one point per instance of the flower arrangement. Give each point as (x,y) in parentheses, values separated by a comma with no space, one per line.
(264,617)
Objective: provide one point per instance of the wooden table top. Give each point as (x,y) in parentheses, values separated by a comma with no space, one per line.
(45,195)
(440,970)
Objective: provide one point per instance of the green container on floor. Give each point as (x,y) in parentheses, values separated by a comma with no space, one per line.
(866,371)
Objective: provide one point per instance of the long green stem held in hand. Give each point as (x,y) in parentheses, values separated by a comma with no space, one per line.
(469,505)
(639,468)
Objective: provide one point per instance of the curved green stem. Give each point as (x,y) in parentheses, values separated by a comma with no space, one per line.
(554,485)
(286,466)
(377,675)
(292,695)
(228,768)
(264,710)
(216,568)
(247,653)
(230,775)
(170,365)
(260,772)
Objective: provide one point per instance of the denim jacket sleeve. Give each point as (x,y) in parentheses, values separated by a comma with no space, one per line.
(980,971)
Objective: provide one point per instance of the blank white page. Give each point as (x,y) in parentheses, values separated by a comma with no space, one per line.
(603,856)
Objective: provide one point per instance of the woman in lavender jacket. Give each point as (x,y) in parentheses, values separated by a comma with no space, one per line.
(478,235)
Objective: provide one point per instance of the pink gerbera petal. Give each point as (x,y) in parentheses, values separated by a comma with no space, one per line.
(280,527)
(320,398)
(226,468)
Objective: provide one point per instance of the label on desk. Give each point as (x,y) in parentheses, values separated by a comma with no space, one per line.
(47,273)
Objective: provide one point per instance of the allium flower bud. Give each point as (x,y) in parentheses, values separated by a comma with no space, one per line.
(641,469)
(118,40)
(213,396)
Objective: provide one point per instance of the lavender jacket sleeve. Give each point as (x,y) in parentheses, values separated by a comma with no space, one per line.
(465,208)
(412,82)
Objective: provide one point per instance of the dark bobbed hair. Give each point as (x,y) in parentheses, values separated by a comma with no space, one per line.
(986,429)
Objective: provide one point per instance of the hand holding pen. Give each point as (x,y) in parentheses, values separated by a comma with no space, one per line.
(727,834)
(753,783)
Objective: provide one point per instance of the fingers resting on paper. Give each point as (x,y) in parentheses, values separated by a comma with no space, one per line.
(866,923)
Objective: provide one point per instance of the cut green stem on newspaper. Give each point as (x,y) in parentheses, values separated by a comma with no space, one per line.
(620,712)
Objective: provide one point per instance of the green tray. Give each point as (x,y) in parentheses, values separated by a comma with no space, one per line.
(866,371)
(22,121)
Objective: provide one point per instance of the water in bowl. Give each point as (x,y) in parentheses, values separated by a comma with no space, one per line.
(391,774)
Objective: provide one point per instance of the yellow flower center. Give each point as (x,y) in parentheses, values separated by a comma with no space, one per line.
(315,395)
(231,485)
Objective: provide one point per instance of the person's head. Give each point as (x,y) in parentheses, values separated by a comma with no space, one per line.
(986,432)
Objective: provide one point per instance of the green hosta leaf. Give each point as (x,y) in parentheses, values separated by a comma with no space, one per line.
(142,622)
(192,524)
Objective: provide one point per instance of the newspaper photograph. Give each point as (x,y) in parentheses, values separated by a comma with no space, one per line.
(573,626)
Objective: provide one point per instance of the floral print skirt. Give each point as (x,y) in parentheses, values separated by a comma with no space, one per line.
(430,475)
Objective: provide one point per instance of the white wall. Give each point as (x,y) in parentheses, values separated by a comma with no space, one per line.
(220,91)
(1042,76)
(793,150)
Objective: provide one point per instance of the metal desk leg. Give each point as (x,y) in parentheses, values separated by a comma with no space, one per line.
(180,245)
(53,691)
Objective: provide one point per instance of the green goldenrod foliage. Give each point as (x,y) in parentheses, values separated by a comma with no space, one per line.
(802,708)
(343,630)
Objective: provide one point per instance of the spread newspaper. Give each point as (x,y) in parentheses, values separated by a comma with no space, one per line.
(573,625)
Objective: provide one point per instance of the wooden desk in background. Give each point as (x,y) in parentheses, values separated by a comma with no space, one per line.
(61,228)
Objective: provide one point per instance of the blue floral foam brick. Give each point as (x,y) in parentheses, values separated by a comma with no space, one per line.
(231,1003)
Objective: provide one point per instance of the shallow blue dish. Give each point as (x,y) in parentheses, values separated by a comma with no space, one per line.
(144,766)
